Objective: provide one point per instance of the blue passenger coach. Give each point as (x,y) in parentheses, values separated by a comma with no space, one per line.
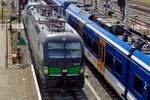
(124,67)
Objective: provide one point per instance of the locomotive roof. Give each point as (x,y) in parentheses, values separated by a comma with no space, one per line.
(51,26)
(53,35)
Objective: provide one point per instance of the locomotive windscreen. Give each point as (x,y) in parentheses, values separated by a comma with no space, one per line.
(64,50)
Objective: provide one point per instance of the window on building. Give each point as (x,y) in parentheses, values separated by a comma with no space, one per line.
(138,84)
(118,66)
(109,60)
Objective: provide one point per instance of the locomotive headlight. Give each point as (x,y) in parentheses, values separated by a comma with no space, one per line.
(64,70)
(45,70)
(81,71)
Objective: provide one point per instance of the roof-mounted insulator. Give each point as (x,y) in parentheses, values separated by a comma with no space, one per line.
(138,45)
(42,28)
(146,46)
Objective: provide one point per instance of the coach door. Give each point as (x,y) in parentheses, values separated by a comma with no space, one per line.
(101,55)
(80,30)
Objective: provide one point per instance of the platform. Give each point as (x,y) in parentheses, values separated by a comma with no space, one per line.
(15,83)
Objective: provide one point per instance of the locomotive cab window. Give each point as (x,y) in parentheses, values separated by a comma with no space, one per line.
(73,50)
(56,50)
(138,84)
(109,60)
(118,67)
(64,50)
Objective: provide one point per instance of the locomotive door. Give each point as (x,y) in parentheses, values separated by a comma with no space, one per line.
(101,55)
(80,30)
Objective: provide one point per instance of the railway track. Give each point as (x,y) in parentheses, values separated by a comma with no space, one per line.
(48,94)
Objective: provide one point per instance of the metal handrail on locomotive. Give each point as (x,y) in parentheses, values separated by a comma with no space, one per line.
(57,50)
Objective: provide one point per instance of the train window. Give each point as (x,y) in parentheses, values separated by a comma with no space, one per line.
(54,46)
(56,53)
(99,51)
(109,60)
(118,66)
(89,42)
(84,37)
(73,50)
(75,25)
(148,94)
(138,84)
(56,50)
(95,47)
(71,21)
